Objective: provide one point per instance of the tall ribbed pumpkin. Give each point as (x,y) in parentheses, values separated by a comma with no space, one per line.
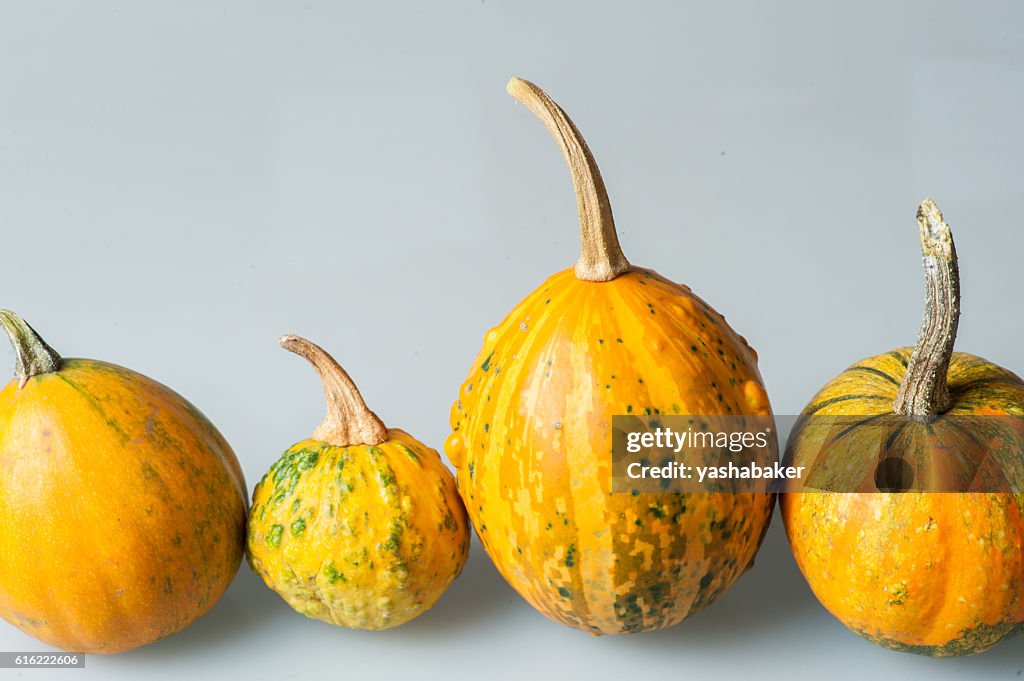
(937,573)
(532,431)
(122,509)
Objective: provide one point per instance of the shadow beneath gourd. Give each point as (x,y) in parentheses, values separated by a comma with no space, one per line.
(1005,659)
(247,606)
(479,597)
(772,596)
(771,599)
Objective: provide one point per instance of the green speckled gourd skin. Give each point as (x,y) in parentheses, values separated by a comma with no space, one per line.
(365,536)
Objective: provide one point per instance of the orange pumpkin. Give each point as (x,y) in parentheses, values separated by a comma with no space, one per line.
(532,431)
(123,508)
(935,570)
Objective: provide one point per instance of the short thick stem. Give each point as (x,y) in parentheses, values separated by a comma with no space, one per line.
(32,356)
(601,257)
(924,392)
(349,421)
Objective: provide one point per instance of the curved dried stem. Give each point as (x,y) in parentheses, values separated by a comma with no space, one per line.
(349,421)
(601,257)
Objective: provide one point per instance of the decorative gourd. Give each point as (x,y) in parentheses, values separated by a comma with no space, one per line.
(935,573)
(531,437)
(360,526)
(123,508)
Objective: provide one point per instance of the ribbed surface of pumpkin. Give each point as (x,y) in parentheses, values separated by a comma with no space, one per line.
(532,445)
(933,573)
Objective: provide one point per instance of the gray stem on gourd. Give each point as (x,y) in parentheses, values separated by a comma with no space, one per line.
(32,356)
(924,392)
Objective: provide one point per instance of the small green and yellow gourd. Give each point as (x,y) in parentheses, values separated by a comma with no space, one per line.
(360,526)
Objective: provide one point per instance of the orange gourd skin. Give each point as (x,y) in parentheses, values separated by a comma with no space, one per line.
(532,439)
(937,574)
(124,509)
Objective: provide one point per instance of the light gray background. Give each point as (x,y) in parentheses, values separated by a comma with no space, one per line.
(181,183)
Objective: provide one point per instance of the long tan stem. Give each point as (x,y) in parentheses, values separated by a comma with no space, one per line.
(924,392)
(349,421)
(32,356)
(601,257)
